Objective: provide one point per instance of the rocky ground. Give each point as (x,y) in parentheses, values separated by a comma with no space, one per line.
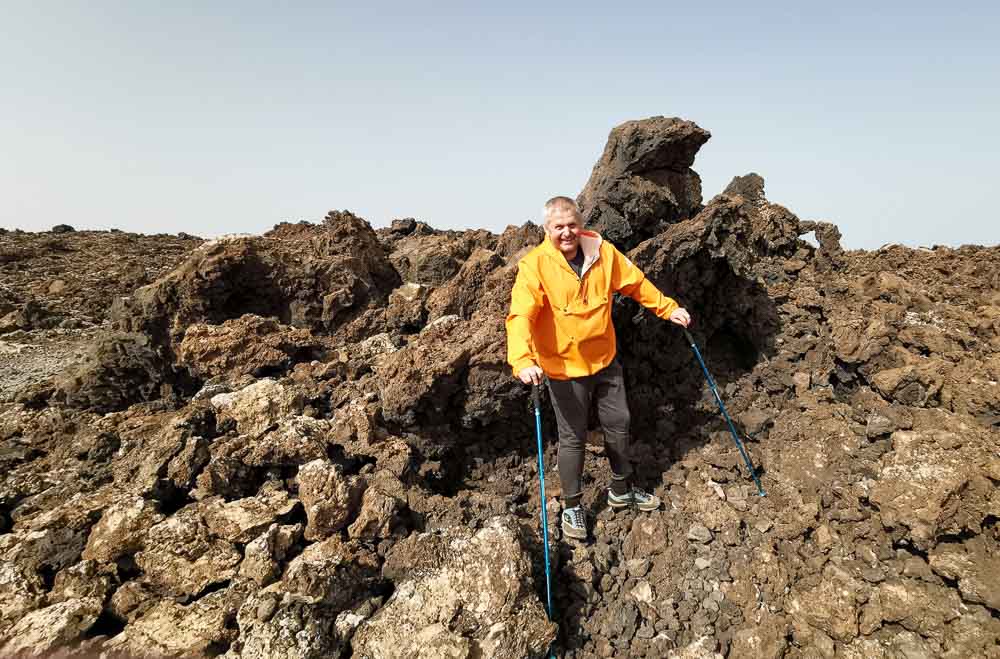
(307,443)
(57,287)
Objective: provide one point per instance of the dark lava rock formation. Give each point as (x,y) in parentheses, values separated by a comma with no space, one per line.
(644,181)
(308,444)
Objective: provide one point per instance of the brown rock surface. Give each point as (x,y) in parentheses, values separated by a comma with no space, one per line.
(275,625)
(330,498)
(151,473)
(258,407)
(94,266)
(931,484)
(248,345)
(40,632)
(331,572)
(264,556)
(171,629)
(21,591)
(243,520)
(181,558)
(320,279)
(830,606)
(121,529)
(376,517)
(479,581)
(118,370)
(975,564)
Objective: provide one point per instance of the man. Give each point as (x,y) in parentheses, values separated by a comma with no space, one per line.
(560,327)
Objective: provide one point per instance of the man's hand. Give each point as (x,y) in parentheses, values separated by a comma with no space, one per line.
(681,317)
(531,375)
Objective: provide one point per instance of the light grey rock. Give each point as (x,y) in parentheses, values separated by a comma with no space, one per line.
(699,533)
(483,576)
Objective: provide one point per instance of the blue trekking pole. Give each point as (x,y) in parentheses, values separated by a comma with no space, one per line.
(536,398)
(725,415)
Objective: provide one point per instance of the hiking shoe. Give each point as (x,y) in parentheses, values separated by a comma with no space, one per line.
(574,523)
(636,497)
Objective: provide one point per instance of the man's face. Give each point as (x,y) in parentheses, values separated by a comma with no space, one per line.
(563,229)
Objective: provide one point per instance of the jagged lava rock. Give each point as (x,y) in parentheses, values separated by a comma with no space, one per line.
(644,180)
(482,577)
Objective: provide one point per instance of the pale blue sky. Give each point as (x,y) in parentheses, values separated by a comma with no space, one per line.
(231,116)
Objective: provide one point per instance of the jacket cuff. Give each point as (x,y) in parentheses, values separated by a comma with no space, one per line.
(522,364)
(671,307)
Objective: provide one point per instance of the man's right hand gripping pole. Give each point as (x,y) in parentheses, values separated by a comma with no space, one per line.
(531,375)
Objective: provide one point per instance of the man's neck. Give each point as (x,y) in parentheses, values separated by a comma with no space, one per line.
(572,255)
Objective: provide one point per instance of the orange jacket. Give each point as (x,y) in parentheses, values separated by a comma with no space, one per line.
(562,322)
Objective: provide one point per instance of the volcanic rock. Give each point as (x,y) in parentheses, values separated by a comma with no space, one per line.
(320,360)
(321,280)
(421,378)
(330,497)
(172,629)
(699,533)
(243,520)
(120,369)
(915,605)
(181,558)
(31,315)
(647,537)
(418,383)
(273,625)
(975,564)
(516,241)
(644,180)
(480,581)
(331,572)
(432,259)
(765,639)
(296,440)
(703,648)
(121,529)
(86,579)
(263,556)
(464,293)
(249,345)
(919,485)
(830,607)
(156,446)
(377,514)
(131,600)
(54,539)
(406,310)
(258,407)
(44,630)
(21,591)
(879,425)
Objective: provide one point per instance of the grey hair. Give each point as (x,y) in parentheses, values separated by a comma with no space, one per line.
(560,204)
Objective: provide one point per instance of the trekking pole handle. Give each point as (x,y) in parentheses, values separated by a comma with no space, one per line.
(536,396)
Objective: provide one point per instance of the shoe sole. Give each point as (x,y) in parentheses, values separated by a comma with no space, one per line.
(644,507)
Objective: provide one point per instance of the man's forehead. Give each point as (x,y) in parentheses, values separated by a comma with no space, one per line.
(562,215)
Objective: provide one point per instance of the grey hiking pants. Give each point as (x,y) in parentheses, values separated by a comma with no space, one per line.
(571,400)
